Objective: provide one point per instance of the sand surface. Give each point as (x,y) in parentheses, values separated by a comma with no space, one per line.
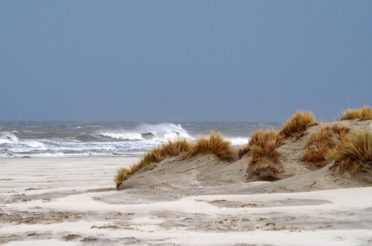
(71,201)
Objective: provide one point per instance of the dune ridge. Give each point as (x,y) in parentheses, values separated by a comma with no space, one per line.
(302,149)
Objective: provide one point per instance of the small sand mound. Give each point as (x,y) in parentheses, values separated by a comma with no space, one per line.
(321,179)
(172,148)
(177,176)
(265,171)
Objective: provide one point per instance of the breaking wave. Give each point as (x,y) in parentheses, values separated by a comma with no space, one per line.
(160,132)
(11,138)
(238,140)
(122,139)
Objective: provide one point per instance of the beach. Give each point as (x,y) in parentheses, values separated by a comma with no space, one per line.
(170,123)
(73,201)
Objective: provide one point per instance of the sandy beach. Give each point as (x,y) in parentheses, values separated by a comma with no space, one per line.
(231,123)
(72,201)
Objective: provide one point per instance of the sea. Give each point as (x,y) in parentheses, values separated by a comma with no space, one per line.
(60,139)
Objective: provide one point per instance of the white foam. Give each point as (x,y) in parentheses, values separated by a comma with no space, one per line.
(159,132)
(11,138)
(122,135)
(165,130)
(8,137)
(33,144)
(238,140)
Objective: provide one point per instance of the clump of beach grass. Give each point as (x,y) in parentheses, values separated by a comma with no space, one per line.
(265,163)
(172,148)
(297,125)
(243,151)
(263,146)
(320,144)
(354,154)
(213,144)
(122,174)
(363,113)
(258,138)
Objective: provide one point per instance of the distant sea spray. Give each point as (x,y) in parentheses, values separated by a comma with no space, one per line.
(57,139)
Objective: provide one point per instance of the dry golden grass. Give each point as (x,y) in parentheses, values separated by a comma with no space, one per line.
(363,113)
(172,148)
(263,146)
(176,147)
(297,125)
(122,174)
(259,138)
(321,143)
(243,151)
(213,144)
(265,162)
(354,153)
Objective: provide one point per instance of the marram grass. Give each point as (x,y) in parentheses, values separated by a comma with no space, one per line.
(264,162)
(363,113)
(297,125)
(320,144)
(172,148)
(243,151)
(213,144)
(263,146)
(354,153)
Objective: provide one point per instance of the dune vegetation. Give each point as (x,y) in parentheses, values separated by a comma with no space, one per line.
(213,144)
(172,148)
(363,113)
(297,125)
(320,144)
(265,162)
(243,151)
(354,153)
(258,138)
(351,151)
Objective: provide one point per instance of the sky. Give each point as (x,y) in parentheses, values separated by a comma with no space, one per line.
(183,60)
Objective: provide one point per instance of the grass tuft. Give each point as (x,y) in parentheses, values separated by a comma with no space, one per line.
(320,144)
(213,144)
(263,146)
(354,153)
(259,138)
(243,151)
(122,174)
(265,162)
(363,113)
(297,125)
(172,148)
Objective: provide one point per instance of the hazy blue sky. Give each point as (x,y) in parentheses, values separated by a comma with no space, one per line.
(183,60)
